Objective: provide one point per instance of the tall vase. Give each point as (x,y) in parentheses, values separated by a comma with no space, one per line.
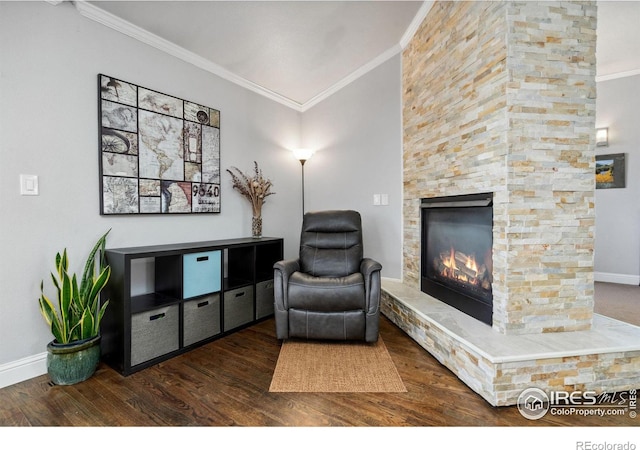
(256,226)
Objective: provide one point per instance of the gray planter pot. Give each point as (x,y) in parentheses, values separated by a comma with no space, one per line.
(73,362)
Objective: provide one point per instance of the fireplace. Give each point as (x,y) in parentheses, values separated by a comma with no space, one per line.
(457,242)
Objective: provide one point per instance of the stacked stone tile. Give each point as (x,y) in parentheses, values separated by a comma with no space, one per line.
(500,97)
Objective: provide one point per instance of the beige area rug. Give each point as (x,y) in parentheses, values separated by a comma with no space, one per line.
(320,366)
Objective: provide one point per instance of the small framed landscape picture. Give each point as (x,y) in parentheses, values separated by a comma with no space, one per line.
(610,171)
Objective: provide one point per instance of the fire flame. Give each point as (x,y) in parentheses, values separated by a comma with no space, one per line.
(452,268)
(471,263)
(464,268)
(451,262)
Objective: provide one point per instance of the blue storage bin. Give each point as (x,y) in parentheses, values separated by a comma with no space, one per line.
(201,273)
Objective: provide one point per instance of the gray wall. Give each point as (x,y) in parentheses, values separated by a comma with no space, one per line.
(617,250)
(357,135)
(50,57)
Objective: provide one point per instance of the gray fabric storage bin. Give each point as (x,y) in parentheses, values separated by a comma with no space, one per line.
(154,333)
(238,307)
(201,318)
(264,299)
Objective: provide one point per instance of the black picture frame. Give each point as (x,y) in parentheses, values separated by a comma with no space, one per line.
(159,154)
(610,171)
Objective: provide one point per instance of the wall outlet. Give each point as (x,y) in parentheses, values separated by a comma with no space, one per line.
(380,199)
(29,185)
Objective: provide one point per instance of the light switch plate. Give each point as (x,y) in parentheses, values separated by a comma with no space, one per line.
(29,185)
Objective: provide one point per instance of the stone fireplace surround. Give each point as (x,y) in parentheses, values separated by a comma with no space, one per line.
(500,97)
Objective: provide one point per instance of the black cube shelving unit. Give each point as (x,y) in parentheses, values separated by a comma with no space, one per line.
(233,281)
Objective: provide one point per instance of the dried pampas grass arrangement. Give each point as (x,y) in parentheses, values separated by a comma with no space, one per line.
(256,189)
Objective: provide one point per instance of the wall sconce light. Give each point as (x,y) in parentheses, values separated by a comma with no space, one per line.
(302,155)
(602,137)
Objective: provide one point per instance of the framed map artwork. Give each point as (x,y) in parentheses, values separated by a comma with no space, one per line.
(158,154)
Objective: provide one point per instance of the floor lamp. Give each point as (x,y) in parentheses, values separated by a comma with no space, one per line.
(302,155)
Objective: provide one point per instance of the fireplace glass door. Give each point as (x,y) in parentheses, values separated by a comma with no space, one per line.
(457,241)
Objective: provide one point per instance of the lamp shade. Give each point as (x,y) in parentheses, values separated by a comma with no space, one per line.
(302,154)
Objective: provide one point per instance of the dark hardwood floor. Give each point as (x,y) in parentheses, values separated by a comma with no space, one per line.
(226,383)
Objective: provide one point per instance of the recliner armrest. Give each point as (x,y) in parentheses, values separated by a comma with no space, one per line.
(368,266)
(370,270)
(282,270)
(287,266)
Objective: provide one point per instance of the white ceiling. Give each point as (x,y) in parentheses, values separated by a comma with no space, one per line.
(618,38)
(298,52)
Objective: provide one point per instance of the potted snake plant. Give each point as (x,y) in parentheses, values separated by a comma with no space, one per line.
(74,353)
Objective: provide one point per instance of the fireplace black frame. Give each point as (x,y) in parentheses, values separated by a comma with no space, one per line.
(474,307)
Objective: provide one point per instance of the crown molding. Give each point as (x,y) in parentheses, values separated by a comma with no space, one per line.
(105,18)
(415,23)
(404,41)
(615,76)
(352,77)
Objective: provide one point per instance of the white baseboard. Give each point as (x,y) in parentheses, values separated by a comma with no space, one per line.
(618,278)
(23,369)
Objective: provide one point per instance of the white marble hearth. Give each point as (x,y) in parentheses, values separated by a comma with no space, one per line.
(499,366)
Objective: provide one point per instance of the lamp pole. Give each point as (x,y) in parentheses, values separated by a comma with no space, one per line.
(303,156)
(302,161)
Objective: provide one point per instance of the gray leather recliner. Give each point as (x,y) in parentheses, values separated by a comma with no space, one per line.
(330,291)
